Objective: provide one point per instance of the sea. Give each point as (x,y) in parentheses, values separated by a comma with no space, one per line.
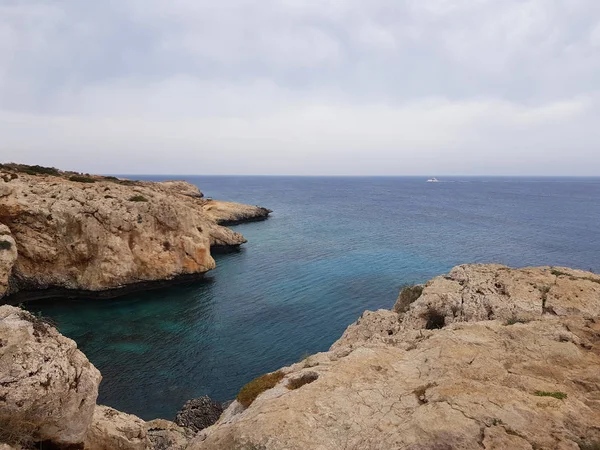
(332,248)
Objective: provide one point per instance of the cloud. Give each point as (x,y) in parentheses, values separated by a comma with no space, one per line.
(302,87)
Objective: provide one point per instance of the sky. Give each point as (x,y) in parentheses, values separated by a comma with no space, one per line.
(302,87)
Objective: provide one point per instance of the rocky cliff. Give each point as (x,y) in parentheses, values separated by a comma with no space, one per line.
(486,357)
(66,232)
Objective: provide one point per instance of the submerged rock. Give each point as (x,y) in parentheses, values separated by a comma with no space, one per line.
(48,388)
(485,357)
(66,233)
(199,413)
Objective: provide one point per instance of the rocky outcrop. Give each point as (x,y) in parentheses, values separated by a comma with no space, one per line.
(8,256)
(199,413)
(484,357)
(111,429)
(76,233)
(48,388)
(227,213)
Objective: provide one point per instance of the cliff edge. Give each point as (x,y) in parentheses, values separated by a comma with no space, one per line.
(485,357)
(62,232)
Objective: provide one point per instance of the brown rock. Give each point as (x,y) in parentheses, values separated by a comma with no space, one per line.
(500,372)
(8,257)
(228,213)
(48,388)
(111,429)
(93,234)
(166,435)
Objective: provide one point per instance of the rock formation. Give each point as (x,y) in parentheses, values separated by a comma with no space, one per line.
(199,413)
(48,388)
(64,232)
(8,256)
(111,429)
(485,357)
(227,213)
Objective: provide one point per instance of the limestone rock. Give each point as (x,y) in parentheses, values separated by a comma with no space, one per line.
(48,388)
(199,413)
(8,257)
(485,292)
(92,234)
(7,447)
(111,429)
(513,364)
(228,213)
(165,435)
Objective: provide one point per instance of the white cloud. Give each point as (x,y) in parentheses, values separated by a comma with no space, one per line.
(312,86)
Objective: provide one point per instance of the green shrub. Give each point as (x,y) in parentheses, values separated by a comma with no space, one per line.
(38,170)
(257,386)
(559,273)
(138,198)
(81,179)
(558,395)
(5,245)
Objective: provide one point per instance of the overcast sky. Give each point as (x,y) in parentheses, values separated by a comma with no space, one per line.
(341,87)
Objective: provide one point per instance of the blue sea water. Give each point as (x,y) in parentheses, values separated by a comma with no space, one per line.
(332,248)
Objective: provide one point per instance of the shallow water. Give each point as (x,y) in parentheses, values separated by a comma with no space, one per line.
(333,248)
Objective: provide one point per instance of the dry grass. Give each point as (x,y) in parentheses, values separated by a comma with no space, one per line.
(257,386)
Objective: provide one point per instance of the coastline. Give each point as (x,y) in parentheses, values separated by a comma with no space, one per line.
(69,234)
(485,356)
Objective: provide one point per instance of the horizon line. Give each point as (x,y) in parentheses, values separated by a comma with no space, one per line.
(343,176)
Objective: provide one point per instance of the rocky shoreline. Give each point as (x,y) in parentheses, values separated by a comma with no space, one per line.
(69,234)
(483,357)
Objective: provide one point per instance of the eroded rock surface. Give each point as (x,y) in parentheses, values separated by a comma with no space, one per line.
(485,357)
(90,233)
(228,213)
(48,388)
(111,429)
(199,413)
(512,360)
(8,257)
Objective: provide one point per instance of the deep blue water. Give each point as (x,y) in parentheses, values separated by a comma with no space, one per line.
(332,248)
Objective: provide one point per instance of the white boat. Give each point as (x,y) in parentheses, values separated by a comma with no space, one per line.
(433,180)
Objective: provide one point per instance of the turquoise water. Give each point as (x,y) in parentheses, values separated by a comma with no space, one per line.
(332,248)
